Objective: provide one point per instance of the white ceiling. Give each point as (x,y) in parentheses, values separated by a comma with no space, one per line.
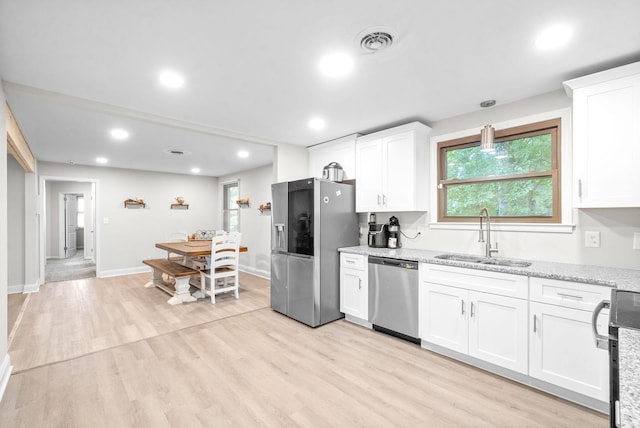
(74,70)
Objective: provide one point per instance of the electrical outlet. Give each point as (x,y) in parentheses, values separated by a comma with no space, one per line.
(592,239)
(636,240)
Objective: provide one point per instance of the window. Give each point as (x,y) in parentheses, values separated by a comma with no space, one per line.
(80,210)
(518,182)
(230,212)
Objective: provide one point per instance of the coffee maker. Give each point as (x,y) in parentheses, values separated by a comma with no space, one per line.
(394,232)
(378,233)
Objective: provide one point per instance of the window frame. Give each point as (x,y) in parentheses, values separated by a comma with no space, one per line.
(226,205)
(507,134)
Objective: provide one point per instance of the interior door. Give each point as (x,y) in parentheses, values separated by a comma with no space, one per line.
(70,225)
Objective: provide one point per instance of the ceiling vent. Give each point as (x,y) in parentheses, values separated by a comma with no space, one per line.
(374,40)
(175,152)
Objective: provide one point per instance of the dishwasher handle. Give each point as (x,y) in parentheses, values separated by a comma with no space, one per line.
(400,263)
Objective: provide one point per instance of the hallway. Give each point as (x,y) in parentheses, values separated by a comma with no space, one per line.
(76,267)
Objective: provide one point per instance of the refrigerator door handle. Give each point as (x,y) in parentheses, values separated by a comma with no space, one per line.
(602,341)
(279,232)
(300,256)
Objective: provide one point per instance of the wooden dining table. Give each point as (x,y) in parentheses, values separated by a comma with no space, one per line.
(191,248)
(192,252)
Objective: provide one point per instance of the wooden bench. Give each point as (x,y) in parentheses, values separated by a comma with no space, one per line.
(180,273)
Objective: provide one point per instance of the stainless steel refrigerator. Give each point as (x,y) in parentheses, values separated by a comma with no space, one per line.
(310,220)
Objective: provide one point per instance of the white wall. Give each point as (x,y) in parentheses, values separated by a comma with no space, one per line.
(5,361)
(53,189)
(290,163)
(254,226)
(124,237)
(616,226)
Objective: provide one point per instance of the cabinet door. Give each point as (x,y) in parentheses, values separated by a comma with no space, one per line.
(368,175)
(444,316)
(353,293)
(606,143)
(498,330)
(398,169)
(563,352)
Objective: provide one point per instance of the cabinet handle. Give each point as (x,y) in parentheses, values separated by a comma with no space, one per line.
(351,262)
(535,323)
(378,199)
(462,301)
(580,189)
(570,296)
(471,313)
(359,283)
(384,199)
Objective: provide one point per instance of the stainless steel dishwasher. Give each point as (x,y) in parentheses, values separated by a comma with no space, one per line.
(393,297)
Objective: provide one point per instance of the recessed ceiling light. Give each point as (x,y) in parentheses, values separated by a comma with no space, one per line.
(554,37)
(243,154)
(102,160)
(336,64)
(119,134)
(171,79)
(195,170)
(317,123)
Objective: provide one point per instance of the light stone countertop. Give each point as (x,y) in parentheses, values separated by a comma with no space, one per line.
(624,279)
(629,366)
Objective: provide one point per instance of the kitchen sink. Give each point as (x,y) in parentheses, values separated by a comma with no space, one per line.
(483,260)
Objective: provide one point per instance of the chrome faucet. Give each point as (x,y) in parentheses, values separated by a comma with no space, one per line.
(488,249)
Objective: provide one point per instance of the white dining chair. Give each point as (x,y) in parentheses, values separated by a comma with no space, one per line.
(223,266)
(176,237)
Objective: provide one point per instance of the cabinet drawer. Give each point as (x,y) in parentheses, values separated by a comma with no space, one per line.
(503,284)
(353,261)
(568,294)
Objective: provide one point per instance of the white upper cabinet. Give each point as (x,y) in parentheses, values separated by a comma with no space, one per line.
(606,138)
(392,169)
(341,150)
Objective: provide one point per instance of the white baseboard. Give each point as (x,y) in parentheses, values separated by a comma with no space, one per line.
(120,272)
(144,269)
(15,289)
(32,288)
(26,288)
(5,373)
(257,272)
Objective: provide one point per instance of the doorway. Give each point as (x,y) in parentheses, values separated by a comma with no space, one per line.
(67,229)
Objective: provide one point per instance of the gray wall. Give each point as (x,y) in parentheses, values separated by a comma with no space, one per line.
(4,356)
(255,226)
(124,237)
(15,222)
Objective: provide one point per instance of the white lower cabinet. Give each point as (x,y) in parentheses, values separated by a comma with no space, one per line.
(354,295)
(498,330)
(486,326)
(563,352)
(444,319)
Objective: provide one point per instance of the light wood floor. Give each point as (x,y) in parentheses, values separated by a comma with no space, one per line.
(110,353)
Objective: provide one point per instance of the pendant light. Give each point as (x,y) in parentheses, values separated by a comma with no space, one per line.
(487,134)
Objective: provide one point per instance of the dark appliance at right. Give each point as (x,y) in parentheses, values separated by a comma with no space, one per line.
(624,328)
